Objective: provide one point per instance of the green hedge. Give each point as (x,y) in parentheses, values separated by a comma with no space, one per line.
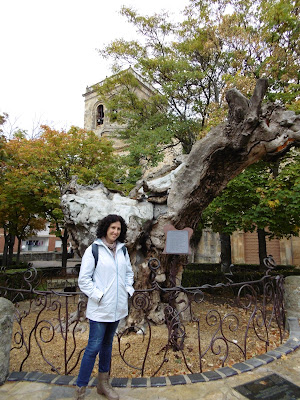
(201,274)
(14,278)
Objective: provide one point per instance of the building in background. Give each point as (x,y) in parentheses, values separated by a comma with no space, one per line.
(244,249)
(42,242)
(95,112)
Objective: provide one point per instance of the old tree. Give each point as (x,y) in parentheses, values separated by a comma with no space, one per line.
(252,131)
(193,66)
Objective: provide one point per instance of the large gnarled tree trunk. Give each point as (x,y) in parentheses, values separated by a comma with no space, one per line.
(250,133)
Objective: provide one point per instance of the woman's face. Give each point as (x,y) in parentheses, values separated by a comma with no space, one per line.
(113,232)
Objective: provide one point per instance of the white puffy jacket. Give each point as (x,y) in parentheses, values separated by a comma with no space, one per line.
(108,285)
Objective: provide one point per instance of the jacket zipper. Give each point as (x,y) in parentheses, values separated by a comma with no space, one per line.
(117,268)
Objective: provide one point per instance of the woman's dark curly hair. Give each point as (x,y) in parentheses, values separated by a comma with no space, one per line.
(106,222)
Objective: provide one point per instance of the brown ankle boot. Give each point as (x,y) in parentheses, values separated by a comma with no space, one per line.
(79,393)
(105,388)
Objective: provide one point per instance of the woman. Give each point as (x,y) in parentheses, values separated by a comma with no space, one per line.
(108,286)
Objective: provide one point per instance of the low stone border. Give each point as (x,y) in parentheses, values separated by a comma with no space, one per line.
(291,345)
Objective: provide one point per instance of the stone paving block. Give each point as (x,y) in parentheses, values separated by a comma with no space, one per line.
(255,362)
(293,344)
(265,358)
(119,382)
(91,382)
(139,382)
(32,376)
(157,381)
(227,371)
(212,375)
(177,380)
(284,349)
(16,376)
(64,380)
(62,392)
(242,367)
(274,353)
(196,378)
(95,382)
(46,378)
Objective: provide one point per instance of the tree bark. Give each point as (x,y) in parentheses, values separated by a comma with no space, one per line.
(19,250)
(11,243)
(5,248)
(225,251)
(64,255)
(262,246)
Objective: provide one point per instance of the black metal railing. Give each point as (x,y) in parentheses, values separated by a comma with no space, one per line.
(173,329)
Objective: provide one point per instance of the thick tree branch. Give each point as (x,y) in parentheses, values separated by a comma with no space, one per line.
(250,134)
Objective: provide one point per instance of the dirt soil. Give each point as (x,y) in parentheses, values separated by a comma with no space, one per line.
(43,348)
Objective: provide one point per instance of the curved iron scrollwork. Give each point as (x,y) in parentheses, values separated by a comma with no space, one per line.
(193,322)
(154,265)
(46,331)
(270,264)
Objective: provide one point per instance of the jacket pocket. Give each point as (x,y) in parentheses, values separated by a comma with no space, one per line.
(122,298)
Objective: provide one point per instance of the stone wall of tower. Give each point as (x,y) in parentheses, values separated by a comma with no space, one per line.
(108,128)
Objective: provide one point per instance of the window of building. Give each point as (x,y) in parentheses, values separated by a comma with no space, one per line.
(58,244)
(100,115)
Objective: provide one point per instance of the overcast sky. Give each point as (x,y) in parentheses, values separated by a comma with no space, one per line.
(48,54)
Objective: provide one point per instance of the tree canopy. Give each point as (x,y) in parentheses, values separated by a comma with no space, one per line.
(36,172)
(190,64)
(264,195)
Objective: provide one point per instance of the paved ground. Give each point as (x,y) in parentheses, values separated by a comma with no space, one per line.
(287,367)
(71,262)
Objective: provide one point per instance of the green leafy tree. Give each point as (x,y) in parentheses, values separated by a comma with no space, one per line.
(39,170)
(230,211)
(20,202)
(58,156)
(190,64)
(263,38)
(264,197)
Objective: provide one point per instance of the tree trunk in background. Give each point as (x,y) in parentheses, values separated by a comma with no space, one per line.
(5,249)
(64,255)
(19,250)
(11,242)
(225,251)
(262,246)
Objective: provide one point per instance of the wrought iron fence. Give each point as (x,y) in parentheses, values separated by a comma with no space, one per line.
(176,329)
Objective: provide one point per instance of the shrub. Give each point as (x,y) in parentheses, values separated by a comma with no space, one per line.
(200,274)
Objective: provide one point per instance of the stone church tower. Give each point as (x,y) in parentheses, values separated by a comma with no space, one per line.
(95,113)
(96,119)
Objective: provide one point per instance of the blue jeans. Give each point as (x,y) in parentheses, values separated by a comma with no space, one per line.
(100,342)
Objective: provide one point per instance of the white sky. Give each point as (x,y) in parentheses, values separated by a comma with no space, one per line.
(48,54)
